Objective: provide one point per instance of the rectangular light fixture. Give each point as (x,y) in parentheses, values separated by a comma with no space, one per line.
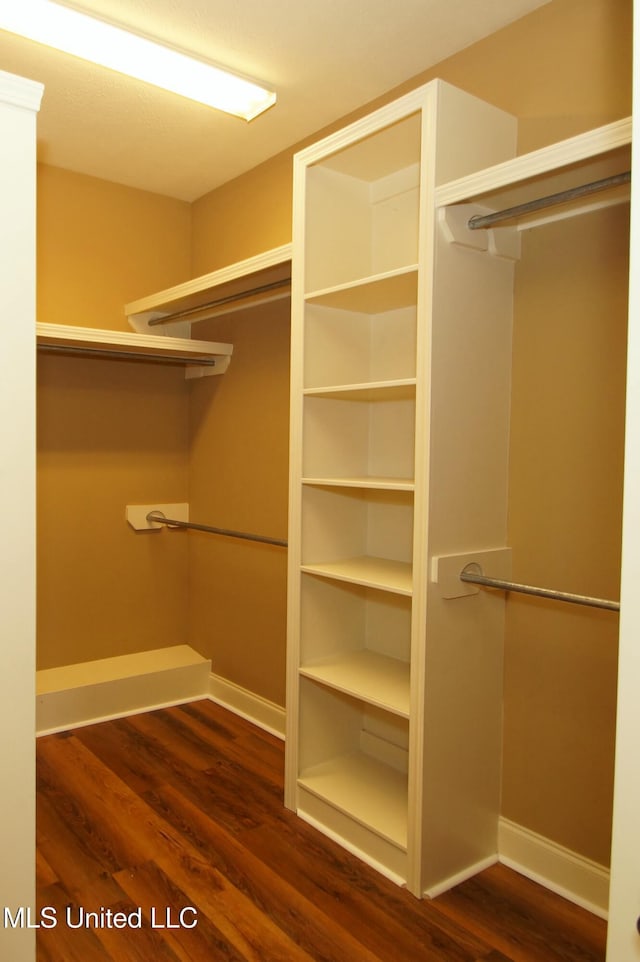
(67,29)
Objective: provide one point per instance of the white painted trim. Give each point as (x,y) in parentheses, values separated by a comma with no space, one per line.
(98,719)
(255,709)
(19,100)
(84,694)
(582,881)
(20,92)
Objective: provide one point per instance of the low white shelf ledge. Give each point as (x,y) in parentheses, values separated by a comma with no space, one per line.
(201,357)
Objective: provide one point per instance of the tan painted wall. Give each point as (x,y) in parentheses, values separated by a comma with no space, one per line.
(238,480)
(109,432)
(567,437)
(562,70)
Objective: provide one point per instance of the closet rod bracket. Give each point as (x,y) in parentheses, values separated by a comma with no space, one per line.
(148,517)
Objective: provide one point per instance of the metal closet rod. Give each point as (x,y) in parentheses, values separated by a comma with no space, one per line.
(159,518)
(472,574)
(228,299)
(481,221)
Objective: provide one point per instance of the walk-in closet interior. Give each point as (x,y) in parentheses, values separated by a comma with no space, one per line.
(379,382)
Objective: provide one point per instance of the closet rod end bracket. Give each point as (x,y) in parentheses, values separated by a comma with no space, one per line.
(445,570)
(140,516)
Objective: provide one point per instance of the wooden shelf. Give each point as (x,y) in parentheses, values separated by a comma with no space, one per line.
(207,356)
(248,283)
(372,295)
(380,484)
(394,576)
(367,790)
(577,160)
(369,676)
(398,390)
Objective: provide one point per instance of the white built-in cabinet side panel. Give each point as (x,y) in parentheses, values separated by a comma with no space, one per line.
(471,134)
(465,135)
(19,103)
(470,391)
(623,936)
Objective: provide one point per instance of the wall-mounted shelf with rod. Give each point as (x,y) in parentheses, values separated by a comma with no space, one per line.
(596,156)
(200,357)
(257,280)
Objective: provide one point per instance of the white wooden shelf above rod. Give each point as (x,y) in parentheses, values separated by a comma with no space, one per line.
(248,283)
(200,357)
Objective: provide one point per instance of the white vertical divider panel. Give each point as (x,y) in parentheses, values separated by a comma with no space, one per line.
(19,103)
(623,935)
(468,357)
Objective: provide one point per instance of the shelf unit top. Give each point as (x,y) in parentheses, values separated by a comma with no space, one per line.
(246,283)
(395,147)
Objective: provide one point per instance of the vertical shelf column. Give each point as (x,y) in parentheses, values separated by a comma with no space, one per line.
(351,582)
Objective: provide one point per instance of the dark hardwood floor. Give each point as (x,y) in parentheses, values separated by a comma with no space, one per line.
(180,811)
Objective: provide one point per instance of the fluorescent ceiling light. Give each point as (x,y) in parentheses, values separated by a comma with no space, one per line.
(71,31)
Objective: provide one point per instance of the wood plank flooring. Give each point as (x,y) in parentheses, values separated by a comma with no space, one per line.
(175,817)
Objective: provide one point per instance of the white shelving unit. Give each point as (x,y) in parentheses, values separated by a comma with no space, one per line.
(363,341)
(400,400)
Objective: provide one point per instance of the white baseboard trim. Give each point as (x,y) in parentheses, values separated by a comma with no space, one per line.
(573,876)
(261,712)
(435,890)
(83,694)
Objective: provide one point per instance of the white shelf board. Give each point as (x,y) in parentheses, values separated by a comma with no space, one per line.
(368,675)
(98,340)
(377,483)
(367,790)
(399,390)
(545,160)
(232,282)
(394,576)
(372,295)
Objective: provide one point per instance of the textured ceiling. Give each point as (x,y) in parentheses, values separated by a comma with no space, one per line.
(324,59)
